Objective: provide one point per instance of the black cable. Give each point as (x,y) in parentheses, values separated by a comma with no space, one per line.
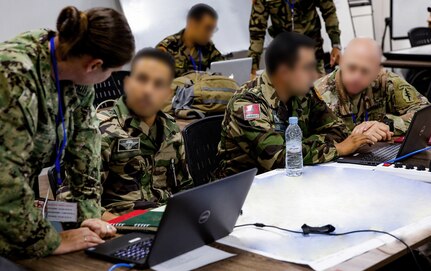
(261,225)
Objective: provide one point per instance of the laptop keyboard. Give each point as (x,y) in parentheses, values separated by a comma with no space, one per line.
(383,154)
(135,252)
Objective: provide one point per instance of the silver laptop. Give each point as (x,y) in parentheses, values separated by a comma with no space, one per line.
(237,69)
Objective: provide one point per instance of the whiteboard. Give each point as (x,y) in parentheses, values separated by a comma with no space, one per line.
(153,20)
(407,15)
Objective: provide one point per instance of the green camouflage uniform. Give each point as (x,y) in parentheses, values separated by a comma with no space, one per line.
(306,21)
(175,46)
(260,142)
(28,111)
(388,96)
(137,160)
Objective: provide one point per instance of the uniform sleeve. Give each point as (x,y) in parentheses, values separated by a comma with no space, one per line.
(23,230)
(257,137)
(403,99)
(326,129)
(183,175)
(257,28)
(82,160)
(329,14)
(215,55)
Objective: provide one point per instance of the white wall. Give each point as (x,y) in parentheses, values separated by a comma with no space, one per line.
(21,15)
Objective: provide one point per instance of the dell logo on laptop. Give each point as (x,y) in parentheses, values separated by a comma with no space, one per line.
(203,218)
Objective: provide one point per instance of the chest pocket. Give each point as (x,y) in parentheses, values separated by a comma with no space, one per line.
(129,165)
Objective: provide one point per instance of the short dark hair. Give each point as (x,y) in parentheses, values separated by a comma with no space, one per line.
(284,50)
(199,10)
(154,53)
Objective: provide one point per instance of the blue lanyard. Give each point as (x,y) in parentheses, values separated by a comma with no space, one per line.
(355,119)
(61,146)
(291,4)
(197,68)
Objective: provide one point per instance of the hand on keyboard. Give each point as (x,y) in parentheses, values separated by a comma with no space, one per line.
(352,144)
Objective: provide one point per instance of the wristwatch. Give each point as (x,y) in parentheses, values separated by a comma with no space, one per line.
(389,123)
(338,46)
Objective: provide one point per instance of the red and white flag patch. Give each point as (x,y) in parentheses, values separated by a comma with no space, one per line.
(251,112)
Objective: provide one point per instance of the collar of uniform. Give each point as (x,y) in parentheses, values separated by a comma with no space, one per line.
(268,91)
(127,118)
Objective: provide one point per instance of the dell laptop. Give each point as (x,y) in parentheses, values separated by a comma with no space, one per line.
(416,138)
(192,219)
(237,69)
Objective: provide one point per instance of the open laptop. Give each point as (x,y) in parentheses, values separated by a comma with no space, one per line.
(416,138)
(192,219)
(238,69)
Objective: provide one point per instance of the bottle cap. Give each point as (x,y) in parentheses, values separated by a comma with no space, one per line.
(293,120)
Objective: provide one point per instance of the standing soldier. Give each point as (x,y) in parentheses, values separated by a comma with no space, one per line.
(46,117)
(298,16)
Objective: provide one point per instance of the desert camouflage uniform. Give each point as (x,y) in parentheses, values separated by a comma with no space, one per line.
(260,142)
(306,21)
(28,138)
(388,96)
(138,161)
(175,46)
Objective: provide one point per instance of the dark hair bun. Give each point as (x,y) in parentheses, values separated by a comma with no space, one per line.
(71,26)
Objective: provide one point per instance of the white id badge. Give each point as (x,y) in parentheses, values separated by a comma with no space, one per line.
(62,211)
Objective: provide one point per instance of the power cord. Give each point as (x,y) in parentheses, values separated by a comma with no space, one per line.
(328,230)
(118,265)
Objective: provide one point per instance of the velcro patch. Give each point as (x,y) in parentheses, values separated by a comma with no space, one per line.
(251,112)
(128,144)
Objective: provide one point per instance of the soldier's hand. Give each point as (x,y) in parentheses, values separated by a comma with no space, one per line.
(102,228)
(77,239)
(377,131)
(352,144)
(335,57)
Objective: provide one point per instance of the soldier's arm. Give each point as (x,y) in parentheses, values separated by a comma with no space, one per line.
(183,175)
(257,137)
(327,129)
(328,10)
(82,160)
(215,55)
(404,101)
(23,229)
(257,28)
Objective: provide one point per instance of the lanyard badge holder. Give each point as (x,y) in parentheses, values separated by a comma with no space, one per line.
(291,4)
(197,68)
(59,210)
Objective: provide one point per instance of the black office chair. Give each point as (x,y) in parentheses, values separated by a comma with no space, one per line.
(110,90)
(201,139)
(420,36)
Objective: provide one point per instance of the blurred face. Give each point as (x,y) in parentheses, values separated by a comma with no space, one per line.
(358,70)
(300,78)
(148,87)
(202,30)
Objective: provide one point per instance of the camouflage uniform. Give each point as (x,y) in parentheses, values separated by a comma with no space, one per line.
(175,46)
(306,21)
(28,112)
(388,96)
(260,142)
(138,161)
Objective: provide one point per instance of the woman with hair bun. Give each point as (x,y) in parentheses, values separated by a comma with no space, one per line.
(47,117)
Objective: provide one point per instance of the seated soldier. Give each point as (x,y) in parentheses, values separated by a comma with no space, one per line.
(256,118)
(192,47)
(368,98)
(143,159)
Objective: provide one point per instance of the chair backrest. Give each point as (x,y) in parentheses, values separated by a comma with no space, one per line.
(110,89)
(420,36)
(201,139)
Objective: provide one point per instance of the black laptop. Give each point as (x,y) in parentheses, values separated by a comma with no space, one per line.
(416,138)
(192,219)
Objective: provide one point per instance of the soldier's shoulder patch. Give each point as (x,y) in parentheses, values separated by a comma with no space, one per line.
(251,111)
(128,144)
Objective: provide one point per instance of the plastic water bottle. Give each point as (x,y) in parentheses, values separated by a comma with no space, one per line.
(294,163)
